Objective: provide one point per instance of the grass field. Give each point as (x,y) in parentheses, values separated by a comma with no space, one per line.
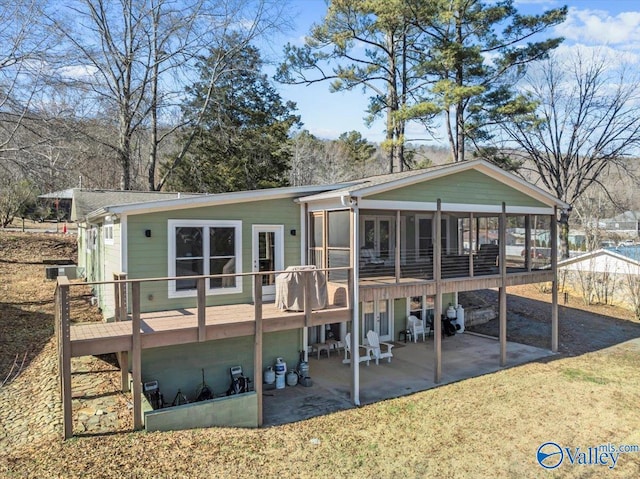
(489,426)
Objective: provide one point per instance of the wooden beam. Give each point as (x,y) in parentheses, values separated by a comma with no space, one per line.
(136,351)
(554,283)
(437,274)
(64,345)
(257,353)
(502,292)
(202,309)
(124,370)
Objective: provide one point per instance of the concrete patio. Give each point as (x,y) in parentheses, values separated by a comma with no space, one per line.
(411,370)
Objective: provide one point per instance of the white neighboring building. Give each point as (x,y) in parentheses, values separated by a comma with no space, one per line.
(604,276)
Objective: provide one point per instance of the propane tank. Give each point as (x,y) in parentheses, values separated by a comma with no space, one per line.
(269,375)
(460,318)
(292,378)
(281,370)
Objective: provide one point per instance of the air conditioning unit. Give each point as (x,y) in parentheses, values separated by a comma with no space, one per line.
(68,270)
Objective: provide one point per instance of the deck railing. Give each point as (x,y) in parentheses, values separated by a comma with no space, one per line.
(127,298)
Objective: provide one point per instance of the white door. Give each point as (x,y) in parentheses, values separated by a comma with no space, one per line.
(268,255)
(378,234)
(376,317)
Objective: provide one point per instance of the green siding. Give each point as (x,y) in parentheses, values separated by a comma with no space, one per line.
(148,257)
(179,367)
(399,316)
(468,187)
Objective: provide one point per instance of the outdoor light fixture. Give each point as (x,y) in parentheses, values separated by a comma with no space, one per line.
(147,233)
(293,232)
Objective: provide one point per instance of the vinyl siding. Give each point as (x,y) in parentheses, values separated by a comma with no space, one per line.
(148,257)
(468,187)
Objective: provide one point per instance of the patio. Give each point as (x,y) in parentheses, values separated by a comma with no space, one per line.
(411,370)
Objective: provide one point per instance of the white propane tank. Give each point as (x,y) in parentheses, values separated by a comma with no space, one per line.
(281,370)
(269,375)
(451,312)
(292,378)
(460,317)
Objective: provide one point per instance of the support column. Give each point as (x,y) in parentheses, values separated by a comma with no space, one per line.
(136,366)
(355,309)
(202,303)
(437,274)
(64,347)
(257,352)
(527,242)
(470,245)
(554,284)
(124,371)
(397,250)
(502,293)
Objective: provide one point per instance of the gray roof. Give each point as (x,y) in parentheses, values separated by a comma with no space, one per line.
(62,194)
(86,201)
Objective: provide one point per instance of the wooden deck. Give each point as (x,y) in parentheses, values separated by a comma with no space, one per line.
(166,328)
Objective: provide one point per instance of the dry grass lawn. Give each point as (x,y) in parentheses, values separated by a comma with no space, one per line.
(489,426)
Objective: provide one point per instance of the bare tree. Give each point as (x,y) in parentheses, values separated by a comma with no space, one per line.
(133,58)
(587,122)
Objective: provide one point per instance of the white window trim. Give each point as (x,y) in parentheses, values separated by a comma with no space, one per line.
(172,225)
(106,227)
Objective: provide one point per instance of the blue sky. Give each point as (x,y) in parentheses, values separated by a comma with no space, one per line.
(614,24)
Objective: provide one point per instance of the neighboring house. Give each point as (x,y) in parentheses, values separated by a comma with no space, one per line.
(627,223)
(607,276)
(58,204)
(390,245)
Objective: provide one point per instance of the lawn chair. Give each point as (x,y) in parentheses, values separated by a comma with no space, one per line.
(416,326)
(377,347)
(347,351)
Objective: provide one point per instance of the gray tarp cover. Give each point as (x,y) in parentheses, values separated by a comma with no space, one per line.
(290,289)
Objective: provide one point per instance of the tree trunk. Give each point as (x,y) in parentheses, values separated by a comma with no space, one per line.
(564,234)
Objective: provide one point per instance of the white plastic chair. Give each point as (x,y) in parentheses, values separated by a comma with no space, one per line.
(377,347)
(347,351)
(416,326)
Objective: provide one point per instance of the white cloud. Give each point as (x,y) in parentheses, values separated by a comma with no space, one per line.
(77,72)
(600,27)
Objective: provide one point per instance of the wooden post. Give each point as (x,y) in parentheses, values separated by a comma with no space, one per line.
(124,371)
(136,351)
(502,293)
(257,353)
(471,245)
(116,297)
(527,242)
(64,345)
(202,309)
(307,298)
(437,274)
(554,284)
(397,240)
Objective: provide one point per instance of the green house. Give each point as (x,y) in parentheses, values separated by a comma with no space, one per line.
(196,269)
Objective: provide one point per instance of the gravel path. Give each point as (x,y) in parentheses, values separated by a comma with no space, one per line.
(31,409)
(581,329)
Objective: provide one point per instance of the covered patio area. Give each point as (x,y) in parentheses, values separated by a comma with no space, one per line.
(411,370)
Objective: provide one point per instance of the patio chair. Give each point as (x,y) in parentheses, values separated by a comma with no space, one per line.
(416,326)
(377,347)
(347,351)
